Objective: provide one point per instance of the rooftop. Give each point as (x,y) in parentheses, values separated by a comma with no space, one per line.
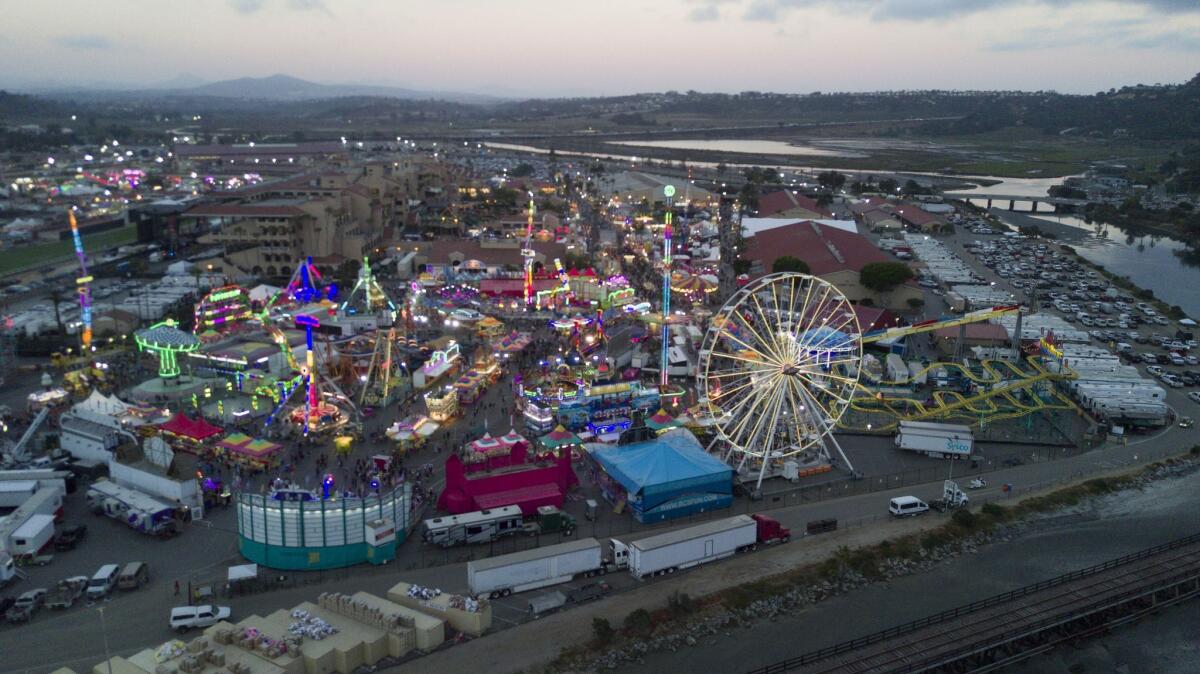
(825,249)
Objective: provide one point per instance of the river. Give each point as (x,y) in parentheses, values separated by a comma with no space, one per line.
(744,146)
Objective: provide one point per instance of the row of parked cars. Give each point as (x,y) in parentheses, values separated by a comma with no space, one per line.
(100,585)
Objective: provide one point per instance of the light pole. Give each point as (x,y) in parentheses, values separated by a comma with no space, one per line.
(104,635)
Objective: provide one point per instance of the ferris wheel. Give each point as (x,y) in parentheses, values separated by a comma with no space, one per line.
(780,364)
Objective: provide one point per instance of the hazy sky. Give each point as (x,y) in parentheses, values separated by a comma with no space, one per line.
(573,47)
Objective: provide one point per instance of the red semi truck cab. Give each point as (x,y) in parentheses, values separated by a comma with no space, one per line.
(770,530)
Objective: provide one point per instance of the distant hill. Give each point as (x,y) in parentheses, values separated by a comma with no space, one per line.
(282,88)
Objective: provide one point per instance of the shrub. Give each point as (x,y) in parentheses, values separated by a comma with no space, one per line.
(602,631)
(680,604)
(933,539)
(994,510)
(965,519)
(639,622)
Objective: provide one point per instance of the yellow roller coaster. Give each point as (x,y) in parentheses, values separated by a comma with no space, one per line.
(1003,390)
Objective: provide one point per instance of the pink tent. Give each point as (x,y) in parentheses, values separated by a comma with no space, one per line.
(528,488)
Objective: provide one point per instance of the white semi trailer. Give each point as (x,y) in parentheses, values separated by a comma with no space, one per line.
(531,569)
(677,550)
(936,440)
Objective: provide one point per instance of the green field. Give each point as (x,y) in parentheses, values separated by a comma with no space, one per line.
(20,259)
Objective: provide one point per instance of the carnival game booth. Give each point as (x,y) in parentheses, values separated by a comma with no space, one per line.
(251,452)
(664,478)
(558,439)
(443,362)
(411,433)
(513,342)
(322,533)
(469,387)
(442,403)
(608,409)
(662,422)
(187,434)
(489,328)
(521,482)
(489,453)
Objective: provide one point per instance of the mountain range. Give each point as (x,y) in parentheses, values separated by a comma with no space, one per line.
(271,88)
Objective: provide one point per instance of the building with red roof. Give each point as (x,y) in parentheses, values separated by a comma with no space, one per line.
(791,204)
(917,218)
(833,254)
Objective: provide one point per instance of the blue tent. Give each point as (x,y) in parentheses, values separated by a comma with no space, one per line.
(669,476)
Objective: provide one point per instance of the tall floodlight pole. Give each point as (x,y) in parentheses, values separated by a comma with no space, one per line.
(527,253)
(85,291)
(669,191)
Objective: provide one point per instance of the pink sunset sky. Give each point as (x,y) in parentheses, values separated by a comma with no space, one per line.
(572,47)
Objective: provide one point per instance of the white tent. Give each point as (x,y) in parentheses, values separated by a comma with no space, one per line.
(263,292)
(99,403)
(1187,322)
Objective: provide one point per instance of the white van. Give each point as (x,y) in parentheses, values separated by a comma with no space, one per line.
(906,506)
(1124,348)
(103,581)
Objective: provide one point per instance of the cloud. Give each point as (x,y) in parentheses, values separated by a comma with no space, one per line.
(1176,39)
(83,41)
(931,10)
(246,6)
(704,13)
(1132,33)
(309,6)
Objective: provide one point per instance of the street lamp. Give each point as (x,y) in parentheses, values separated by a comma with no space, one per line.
(104,636)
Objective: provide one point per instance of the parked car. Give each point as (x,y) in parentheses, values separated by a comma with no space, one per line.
(184,618)
(1194,396)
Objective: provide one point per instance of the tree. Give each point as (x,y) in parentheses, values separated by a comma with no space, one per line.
(721,169)
(884,276)
(522,170)
(602,631)
(888,185)
(831,179)
(789,263)
(749,195)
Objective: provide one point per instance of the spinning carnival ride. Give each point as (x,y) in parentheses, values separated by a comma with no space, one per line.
(780,361)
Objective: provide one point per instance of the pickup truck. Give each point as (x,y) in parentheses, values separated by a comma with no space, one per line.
(25,606)
(184,618)
(66,592)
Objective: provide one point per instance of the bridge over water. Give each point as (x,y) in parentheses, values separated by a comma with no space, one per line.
(1012,199)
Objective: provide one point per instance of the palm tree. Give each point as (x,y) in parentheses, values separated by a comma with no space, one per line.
(56,296)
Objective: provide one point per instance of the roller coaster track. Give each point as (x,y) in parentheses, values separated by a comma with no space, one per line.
(980,407)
